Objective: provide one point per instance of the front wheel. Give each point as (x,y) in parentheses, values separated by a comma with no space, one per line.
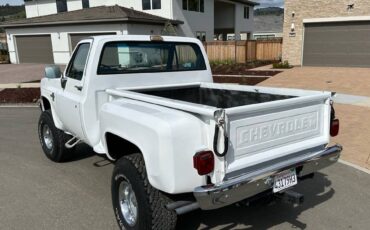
(137,205)
(52,139)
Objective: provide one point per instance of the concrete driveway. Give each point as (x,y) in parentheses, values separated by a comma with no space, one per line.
(21,73)
(354,81)
(38,194)
(352,103)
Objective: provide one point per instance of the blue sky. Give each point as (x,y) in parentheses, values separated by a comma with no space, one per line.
(11,2)
(264,3)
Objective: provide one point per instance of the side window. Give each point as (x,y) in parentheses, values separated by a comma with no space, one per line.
(77,64)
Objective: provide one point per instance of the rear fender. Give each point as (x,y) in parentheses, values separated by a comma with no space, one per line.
(167,138)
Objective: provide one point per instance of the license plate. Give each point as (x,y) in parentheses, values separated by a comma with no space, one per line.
(285,180)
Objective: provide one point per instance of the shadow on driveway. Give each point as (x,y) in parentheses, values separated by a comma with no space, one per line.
(262,216)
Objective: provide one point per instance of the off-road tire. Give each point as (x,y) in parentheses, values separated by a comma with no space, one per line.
(152,213)
(58,152)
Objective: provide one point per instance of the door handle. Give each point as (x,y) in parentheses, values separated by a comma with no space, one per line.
(78,87)
(52,95)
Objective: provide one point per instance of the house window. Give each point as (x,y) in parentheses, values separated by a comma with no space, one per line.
(85,4)
(151,4)
(201,35)
(156,4)
(193,5)
(61,6)
(146,5)
(246,12)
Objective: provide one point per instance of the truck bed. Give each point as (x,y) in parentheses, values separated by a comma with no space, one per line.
(263,123)
(219,98)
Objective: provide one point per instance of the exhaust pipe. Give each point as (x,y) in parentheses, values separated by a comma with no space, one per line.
(182,207)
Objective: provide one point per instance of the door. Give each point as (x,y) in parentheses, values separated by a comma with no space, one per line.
(34,49)
(69,100)
(344,44)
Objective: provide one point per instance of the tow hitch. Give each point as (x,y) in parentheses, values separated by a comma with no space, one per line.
(291,197)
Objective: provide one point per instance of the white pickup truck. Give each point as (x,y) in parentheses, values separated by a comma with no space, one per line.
(179,141)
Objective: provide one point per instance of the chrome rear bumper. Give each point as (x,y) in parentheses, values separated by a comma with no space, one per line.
(245,186)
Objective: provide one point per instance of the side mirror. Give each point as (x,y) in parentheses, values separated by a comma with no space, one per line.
(52,72)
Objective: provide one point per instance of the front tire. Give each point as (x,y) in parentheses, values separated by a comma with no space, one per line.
(137,205)
(52,139)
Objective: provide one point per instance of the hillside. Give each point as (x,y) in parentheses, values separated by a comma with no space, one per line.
(269,11)
(8,12)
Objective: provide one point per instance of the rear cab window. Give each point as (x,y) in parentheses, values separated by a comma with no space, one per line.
(142,57)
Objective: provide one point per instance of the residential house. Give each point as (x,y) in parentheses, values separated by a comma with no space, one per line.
(327,33)
(52,28)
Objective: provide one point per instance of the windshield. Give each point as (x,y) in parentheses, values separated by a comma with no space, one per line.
(140,57)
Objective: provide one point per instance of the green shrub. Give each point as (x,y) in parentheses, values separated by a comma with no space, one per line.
(224,62)
(281,65)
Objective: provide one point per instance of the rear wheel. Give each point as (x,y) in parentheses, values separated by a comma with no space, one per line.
(136,203)
(52,139)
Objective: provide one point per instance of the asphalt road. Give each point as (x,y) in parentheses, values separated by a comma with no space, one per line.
(38,194)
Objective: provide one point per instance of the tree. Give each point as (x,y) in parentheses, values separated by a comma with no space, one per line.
(169,29)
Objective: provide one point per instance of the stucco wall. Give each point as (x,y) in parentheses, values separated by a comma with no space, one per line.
(40,8)
(224,15)
(243,25)
(195,21)
(145,29)
(74,5)
(308,9)
(172,9)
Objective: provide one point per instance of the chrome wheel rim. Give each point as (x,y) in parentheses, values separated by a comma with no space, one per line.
(48,136)
(128,202)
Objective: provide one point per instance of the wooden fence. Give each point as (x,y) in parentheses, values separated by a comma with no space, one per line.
(244,51)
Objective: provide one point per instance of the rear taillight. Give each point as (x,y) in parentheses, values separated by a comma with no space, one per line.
(334,122)
(334,127)
(204,162)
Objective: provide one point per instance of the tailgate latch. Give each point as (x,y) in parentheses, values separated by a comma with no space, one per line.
(220,118)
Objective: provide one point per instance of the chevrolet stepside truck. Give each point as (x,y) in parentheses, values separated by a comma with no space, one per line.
(179,141)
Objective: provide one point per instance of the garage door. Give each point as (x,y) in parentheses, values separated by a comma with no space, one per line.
(34,49)
(337,44)
(75,38)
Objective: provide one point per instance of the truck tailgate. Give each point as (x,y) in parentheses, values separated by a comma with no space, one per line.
(265,132)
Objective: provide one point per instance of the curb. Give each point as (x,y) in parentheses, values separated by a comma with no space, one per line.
(354,166)
(20,105)
(19,85)
(232,75)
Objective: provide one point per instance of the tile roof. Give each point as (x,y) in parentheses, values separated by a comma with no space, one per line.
(100,14)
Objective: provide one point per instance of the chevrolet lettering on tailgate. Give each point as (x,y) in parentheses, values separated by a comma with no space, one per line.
(276,129)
